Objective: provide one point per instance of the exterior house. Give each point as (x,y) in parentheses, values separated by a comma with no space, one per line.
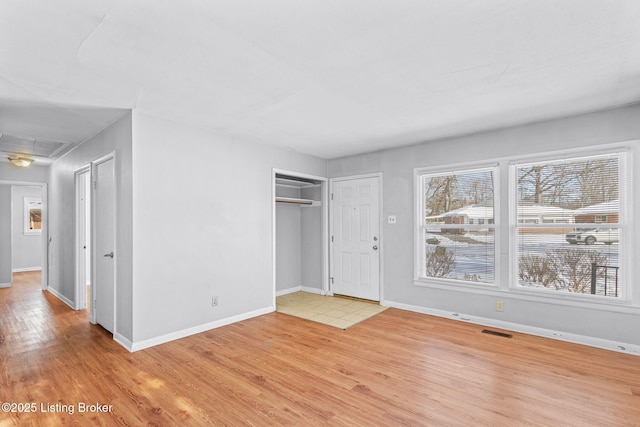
(471,214)
(527,214)
(537,214)
(606,212)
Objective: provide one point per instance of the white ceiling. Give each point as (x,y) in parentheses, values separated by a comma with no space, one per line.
(324,77)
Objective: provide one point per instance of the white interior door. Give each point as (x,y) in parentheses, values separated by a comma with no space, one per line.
(104,242)
(83,226)
(355,219)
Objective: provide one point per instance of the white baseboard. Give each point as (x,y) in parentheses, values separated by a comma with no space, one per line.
(525,329)
(299,288)
(288,291)
(162,339)
(311,290)
(123,341)
(23,270)
(5,285)
(61,297)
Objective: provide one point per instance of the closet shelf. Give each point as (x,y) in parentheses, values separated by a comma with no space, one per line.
(301,202)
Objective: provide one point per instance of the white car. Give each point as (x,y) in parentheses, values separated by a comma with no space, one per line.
(593,235)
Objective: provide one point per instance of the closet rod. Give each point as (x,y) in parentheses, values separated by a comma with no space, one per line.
(293,201)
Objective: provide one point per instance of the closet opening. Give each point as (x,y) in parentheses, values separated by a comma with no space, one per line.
(300,237)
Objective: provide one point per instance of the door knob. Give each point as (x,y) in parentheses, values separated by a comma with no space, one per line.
(110,255)
(375,247)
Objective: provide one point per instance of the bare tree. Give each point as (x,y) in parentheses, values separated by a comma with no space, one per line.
(546,184)
(569,185)
(480,190)
(574,268)
(449,192)
(440,194)
(537,269)
(567,269)
(599,182)
(440,262)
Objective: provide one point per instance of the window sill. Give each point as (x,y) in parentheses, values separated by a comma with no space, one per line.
(540,296)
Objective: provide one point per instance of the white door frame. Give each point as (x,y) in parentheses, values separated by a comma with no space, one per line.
(45,229)
(80,227)
(381,244)
(94,212)
(325,225)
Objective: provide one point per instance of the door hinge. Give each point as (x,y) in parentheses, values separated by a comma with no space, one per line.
(331,239)
(331,196)
(95,185)
(331,280)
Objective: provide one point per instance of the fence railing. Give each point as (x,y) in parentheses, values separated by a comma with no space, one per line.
(608,279)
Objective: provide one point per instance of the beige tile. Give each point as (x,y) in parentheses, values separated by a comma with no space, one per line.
(340,323)
(322,318)
(354,317)
(338,312)
(335,313)
(368,311)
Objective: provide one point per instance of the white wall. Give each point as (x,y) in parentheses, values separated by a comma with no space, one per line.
(5,235)
(601,321)
(181,262)
(115,138)
(26,248)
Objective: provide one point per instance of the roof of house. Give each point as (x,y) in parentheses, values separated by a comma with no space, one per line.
(601,208)
(470,211)
(479,212)
(539,210)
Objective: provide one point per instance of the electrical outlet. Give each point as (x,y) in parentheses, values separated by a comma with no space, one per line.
(499,305)
(391,219)
(214,301)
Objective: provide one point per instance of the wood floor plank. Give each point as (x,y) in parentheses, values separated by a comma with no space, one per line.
(397,368)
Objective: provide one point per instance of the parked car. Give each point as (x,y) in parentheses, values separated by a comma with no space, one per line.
(590,236)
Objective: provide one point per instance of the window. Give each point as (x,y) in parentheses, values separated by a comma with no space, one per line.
(456,237)
(577,252)
(32,216)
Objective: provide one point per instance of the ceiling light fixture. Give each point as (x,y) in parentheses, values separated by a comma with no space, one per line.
(20,161)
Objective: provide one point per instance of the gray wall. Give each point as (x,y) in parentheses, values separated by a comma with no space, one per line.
(36,173)
(181,261)
(298,241)
(288,240)
(26,249)
(10,174)
(311,240)
(397,165)
(5,235)
(115,138)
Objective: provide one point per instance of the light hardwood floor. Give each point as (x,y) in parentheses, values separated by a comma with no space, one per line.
(397,368)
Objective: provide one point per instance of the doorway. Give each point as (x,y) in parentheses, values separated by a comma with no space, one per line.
(356,236)
(83,238)
(23,231)
(103,237)
(300,233)
(95,241)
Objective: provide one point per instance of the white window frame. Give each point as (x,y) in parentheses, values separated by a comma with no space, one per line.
(624,224)
(27,201)
(420,227)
